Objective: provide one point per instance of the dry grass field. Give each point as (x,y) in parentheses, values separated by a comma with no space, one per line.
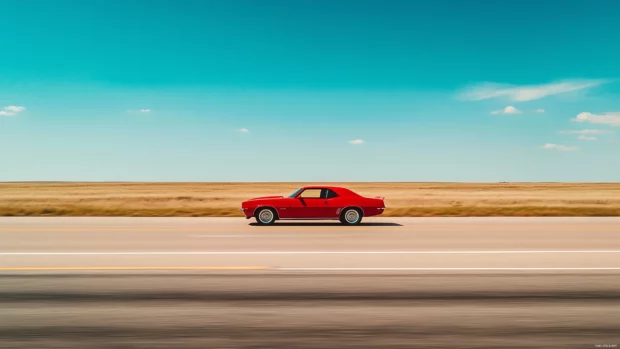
(223,199)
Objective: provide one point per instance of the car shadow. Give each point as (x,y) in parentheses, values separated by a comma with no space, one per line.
(324,224)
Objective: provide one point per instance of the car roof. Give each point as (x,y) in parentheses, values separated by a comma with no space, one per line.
(322,187)
(338,190)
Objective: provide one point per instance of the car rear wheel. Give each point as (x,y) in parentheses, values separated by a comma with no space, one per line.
(351,216)
(265,216)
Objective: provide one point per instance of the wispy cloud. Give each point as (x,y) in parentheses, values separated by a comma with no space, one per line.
(243,130)
(539,111)
(356,141)
(11,110)
(559,147)
(587,138)
(523,93)
(611,118)
(586,132)
(508,110)
(15,108)
(144,110)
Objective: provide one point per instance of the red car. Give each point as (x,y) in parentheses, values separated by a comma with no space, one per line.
(314,202)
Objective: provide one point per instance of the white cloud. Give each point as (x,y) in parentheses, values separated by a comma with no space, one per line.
(559,147)
(524,93)
(508,110)
(11,110)
(356,141)
(587,132)
(14,108)
(244,130)
(611,118)
(145,110)
(539,111)
(587,138)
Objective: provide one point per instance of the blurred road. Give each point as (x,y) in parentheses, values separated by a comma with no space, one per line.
(389,283)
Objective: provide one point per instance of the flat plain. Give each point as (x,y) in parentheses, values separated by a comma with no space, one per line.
(223,199)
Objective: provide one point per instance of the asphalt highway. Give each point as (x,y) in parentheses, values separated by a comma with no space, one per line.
(388,283)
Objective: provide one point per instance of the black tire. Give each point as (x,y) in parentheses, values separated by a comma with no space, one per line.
(351,216)
(265,215)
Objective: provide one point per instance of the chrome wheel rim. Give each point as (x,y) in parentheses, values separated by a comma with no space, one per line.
(351,216)
(265,216)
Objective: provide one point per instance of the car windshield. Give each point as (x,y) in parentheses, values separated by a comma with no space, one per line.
(295,193)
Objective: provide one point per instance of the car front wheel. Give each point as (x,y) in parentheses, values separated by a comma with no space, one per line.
(265,216)
(351,216)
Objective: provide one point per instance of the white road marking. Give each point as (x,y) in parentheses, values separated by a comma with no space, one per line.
(139,253)
(436,269)
(268,236)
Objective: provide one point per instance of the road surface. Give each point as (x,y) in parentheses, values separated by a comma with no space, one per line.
(388,283)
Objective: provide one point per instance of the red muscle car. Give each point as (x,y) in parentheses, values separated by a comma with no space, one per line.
(314,202)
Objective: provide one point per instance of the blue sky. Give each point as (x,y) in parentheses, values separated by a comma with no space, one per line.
(327,90)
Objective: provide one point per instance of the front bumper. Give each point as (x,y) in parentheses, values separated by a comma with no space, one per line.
(247,212)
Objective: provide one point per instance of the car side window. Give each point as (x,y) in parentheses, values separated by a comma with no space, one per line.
(311,194)
(331,194)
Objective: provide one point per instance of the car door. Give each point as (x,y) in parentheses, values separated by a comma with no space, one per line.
(312,204)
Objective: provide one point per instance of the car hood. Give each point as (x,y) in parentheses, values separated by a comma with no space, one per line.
(268,197)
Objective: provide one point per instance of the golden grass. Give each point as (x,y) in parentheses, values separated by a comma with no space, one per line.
(223,199)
